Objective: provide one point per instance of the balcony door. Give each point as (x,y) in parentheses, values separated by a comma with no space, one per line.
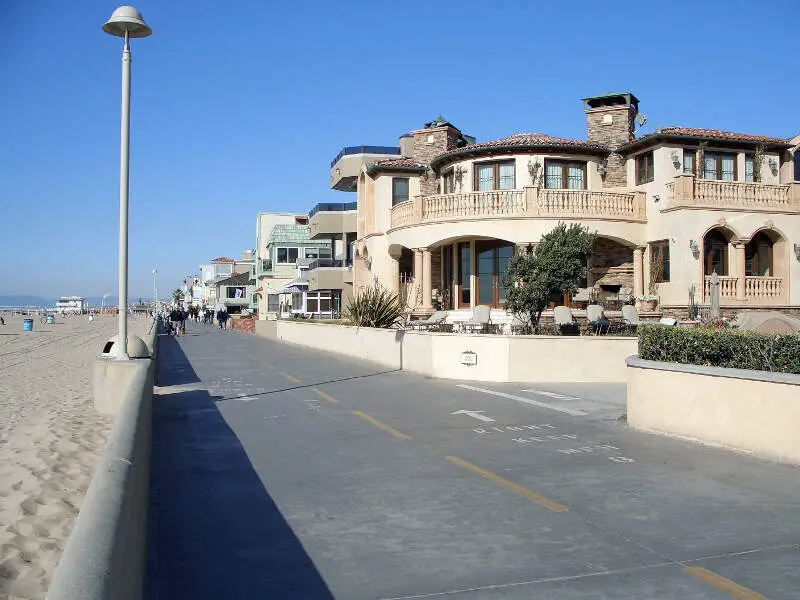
(491,259)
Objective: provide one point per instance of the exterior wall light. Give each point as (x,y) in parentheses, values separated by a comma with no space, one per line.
(773,165)
(694,247)
(797,251)
(676,159)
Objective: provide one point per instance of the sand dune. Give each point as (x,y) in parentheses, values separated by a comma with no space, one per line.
(50,441)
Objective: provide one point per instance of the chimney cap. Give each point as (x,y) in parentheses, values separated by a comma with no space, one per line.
(611,99)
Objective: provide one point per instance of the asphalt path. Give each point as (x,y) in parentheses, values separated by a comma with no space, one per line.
(283,472)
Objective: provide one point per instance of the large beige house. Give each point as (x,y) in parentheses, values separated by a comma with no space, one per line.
(440,215)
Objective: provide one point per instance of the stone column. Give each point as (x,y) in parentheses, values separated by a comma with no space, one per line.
(638,271)
(417,277)
(739,262)
(394,276)
(427,283)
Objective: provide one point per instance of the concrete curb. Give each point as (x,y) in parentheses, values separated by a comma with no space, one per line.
(105,556)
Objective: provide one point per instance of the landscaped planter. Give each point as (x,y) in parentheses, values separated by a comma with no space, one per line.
(752,411)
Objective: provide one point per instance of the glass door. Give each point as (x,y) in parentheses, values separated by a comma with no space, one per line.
(464,272)
(492,258)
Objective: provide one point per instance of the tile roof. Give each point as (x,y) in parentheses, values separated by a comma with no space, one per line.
(396,164)
(222,259)
(291,233)
(239,279)
(704,134)
(520,141)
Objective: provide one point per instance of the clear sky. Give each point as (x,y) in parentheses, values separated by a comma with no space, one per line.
(239,107)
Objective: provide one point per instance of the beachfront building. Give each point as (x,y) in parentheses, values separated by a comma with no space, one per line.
(70,304)
(234,293)
(439,222)
(334,223)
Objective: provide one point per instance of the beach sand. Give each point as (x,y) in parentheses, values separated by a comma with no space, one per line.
(50,441)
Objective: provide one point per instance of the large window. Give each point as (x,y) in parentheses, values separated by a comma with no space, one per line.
(758,256)
(273,302)
(399,190)
(287,256)
(749,168)
(717,165)
(449,182)
(645,172)
(494,176)
(561,174)
(689,162)
(797,165)
(659,252)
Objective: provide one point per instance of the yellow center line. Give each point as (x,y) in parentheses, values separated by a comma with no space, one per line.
(325,396)
(289,377)
(382,425)
(731,588)
(537,498)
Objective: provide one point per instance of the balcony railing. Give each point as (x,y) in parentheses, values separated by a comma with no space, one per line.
(687,191)
(528,202)
(328,263)
(365,150)
(759,289)
(333,207)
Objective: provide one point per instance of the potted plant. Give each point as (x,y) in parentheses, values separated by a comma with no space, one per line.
(649,301)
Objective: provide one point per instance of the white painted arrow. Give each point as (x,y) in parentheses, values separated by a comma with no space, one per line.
(475,414)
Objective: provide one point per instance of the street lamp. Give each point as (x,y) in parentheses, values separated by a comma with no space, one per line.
(125,22)
(155,293)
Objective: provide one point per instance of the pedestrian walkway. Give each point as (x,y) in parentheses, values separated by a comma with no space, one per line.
(282,472)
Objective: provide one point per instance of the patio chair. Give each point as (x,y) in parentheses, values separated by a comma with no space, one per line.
(564,321)
(630,318)
(480,319)
(435,320)
(624,295)
(596,321)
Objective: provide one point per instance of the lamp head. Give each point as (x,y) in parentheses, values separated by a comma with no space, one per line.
(127,18)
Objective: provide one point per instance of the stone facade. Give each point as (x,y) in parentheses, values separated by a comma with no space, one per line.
(612,126)
(611,263)
(429,143)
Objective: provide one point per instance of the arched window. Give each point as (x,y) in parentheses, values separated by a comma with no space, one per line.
(758,256)
(715,252)
(797,165)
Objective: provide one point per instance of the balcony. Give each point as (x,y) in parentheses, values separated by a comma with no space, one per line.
(347,164)
(329,274)
(757,290)
(332,219)
(692,193)
(529,202)
(264,267)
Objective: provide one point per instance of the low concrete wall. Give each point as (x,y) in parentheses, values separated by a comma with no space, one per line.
(105,555)
(499,358)
(267,329)
(753,411)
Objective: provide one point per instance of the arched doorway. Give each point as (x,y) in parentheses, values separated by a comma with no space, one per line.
(491,258)
(758,256)
(715,252)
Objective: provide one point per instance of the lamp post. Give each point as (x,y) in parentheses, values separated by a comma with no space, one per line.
(155,293)
(125,22)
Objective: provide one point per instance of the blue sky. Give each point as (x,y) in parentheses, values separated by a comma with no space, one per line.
(239,107)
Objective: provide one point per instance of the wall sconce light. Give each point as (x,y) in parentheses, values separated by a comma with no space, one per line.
(601,170)
(694,247)
(656,197)
(797,251)
(676,159)
(773,166)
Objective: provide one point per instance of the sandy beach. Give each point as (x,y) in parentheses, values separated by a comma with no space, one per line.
(50,441)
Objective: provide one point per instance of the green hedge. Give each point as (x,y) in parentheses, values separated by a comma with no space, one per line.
(720,348)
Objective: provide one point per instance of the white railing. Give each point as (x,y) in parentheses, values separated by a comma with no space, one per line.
(585,202)
(740,194)
(403,213)
(473,204)
(727,286)
(763,288)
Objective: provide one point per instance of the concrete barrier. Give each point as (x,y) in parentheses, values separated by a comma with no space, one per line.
(105,555)
(523,358)
(751,411)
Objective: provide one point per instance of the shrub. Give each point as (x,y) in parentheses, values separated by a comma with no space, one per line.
(723,347)
(375,306)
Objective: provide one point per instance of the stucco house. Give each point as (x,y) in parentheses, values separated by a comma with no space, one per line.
(439,216)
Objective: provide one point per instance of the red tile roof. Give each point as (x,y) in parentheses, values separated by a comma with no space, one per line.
(396,164)
(715,135)
(523,141)
(222,259)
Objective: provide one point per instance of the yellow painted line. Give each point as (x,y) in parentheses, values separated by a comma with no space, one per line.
(382,425)
(723,584)
(289,377)
(325,396)
(269,366)
(538,498)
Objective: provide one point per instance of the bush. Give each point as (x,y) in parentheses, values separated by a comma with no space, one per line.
(375,306)
(723,347)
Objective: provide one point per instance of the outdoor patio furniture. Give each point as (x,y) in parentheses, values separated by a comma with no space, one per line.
(630,318)
(596,321)
(435,320)
(479,321)
(516,325)
(565,323)
(668,321)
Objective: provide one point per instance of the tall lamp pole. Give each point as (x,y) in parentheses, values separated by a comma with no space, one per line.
(155,293)
(125,22)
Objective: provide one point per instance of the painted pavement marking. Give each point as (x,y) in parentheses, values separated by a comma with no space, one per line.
(381,425)
(569,411)
(552,395)
(475,414)
(290,377)
(731,588)
(324,396)
(537,498)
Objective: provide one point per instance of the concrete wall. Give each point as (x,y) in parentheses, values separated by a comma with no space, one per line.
(753,411)
(499,358)
(105,555)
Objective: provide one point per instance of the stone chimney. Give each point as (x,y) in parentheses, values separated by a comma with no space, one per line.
(610,120)
(437,137)
(407,145)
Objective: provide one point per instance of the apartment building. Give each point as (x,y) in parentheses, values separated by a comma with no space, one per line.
(439,216)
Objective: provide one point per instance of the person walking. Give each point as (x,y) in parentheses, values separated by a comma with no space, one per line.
(175,316)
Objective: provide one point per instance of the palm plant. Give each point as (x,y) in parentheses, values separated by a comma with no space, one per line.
(375,306)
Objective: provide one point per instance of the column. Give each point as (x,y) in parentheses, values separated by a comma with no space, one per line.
(638,271)
(344,248)
(739,262)
(394,276)
(427,283)
(473,278)
(415,298)
(454,283)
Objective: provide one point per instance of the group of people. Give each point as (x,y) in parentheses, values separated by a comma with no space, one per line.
(176,323)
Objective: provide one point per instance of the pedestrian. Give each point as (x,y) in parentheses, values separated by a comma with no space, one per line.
(175,320)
